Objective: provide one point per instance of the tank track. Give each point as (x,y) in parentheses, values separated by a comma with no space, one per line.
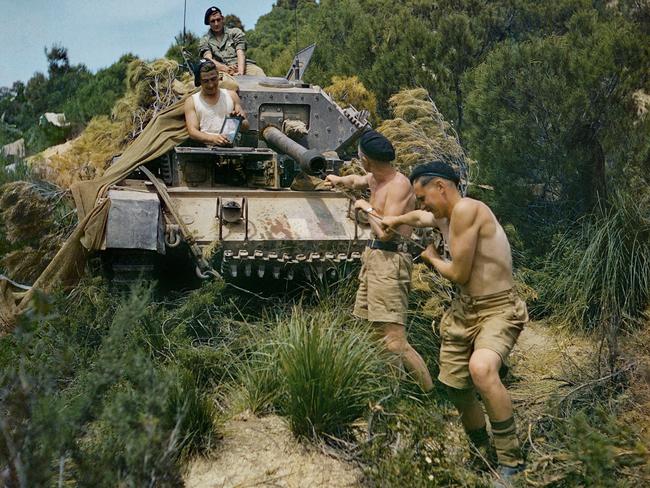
(285,266)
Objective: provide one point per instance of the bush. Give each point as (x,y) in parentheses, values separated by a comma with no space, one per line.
(599,277)
(315,371)
(85,401)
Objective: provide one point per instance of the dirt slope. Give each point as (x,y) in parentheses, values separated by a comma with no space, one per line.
(262,452)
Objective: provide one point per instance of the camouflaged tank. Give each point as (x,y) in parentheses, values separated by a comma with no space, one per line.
(238,212)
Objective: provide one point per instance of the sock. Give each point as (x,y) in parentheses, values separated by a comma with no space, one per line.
(479,437)
(507,443)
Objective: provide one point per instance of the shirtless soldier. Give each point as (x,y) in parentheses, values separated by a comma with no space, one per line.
(484,322)
(385,276)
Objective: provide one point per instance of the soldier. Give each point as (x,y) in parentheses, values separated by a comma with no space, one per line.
(226,47)
(385,276)
(484,321)
(206,110)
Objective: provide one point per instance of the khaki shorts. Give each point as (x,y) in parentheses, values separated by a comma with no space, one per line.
(486,322)
(384,284)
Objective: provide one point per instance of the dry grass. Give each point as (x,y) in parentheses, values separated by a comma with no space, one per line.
(350,91)
(420,133)
(25,211)
(89,154)
(151,87)
(35,217)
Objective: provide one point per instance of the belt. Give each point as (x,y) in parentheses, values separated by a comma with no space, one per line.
(391,246)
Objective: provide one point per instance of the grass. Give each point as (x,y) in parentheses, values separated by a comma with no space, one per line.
(317,369)
(599,277)
(103,390)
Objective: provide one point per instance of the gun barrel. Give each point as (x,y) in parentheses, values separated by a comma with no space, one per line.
(311,161)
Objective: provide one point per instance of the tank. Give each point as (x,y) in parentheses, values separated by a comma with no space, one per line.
(231,211)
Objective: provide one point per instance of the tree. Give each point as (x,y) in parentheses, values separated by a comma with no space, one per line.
(551,122)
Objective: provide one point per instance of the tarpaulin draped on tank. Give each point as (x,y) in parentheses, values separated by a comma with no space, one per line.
(162,134)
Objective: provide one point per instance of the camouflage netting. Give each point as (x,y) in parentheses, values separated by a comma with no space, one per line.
(25,211)
(31,218)
(420,133)
(150,88)
(349,91)
(87,156)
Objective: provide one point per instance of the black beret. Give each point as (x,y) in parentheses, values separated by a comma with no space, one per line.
(208,13)
(376,146)
(438,169)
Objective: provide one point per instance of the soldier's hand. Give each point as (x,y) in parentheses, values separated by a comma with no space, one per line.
(220,140)
(430,253)
(361,204)
(390,223)
(331,181)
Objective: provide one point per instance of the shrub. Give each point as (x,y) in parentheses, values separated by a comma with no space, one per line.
(315,371)
(600,276)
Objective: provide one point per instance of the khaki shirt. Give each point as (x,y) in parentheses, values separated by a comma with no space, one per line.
(225,51)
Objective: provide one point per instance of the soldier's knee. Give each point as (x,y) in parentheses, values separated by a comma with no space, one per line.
(395,345)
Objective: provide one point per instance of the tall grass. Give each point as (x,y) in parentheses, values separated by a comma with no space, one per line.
(317,370)
(599,277)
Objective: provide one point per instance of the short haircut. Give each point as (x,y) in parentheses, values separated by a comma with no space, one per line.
(207,66)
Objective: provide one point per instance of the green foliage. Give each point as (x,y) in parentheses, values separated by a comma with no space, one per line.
(547,113)
(83,394)
(315,371)
(272,44)
(411,443)
(600,275)
(67,88)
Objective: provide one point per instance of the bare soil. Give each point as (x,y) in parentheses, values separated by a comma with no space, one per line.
(262,452)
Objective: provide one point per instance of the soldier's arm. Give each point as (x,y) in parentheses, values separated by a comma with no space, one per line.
(357,182)
(193,127)
(241,62)
(397,199)
(415,218)
(206,53)
(239,39)
(463,233)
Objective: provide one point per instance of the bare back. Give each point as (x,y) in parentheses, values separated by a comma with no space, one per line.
(392,197)
(491,266)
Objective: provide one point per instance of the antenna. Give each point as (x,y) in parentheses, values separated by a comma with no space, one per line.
(293,4)
(184,16)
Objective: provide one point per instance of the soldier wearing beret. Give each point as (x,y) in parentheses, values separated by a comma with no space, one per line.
(485,319)
(385,277)
(226,47)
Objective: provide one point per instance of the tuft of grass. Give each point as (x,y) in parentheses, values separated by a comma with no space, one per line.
(329,374)
(599,278)
(315,370)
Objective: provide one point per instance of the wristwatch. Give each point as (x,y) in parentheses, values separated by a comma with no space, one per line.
(368,210)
